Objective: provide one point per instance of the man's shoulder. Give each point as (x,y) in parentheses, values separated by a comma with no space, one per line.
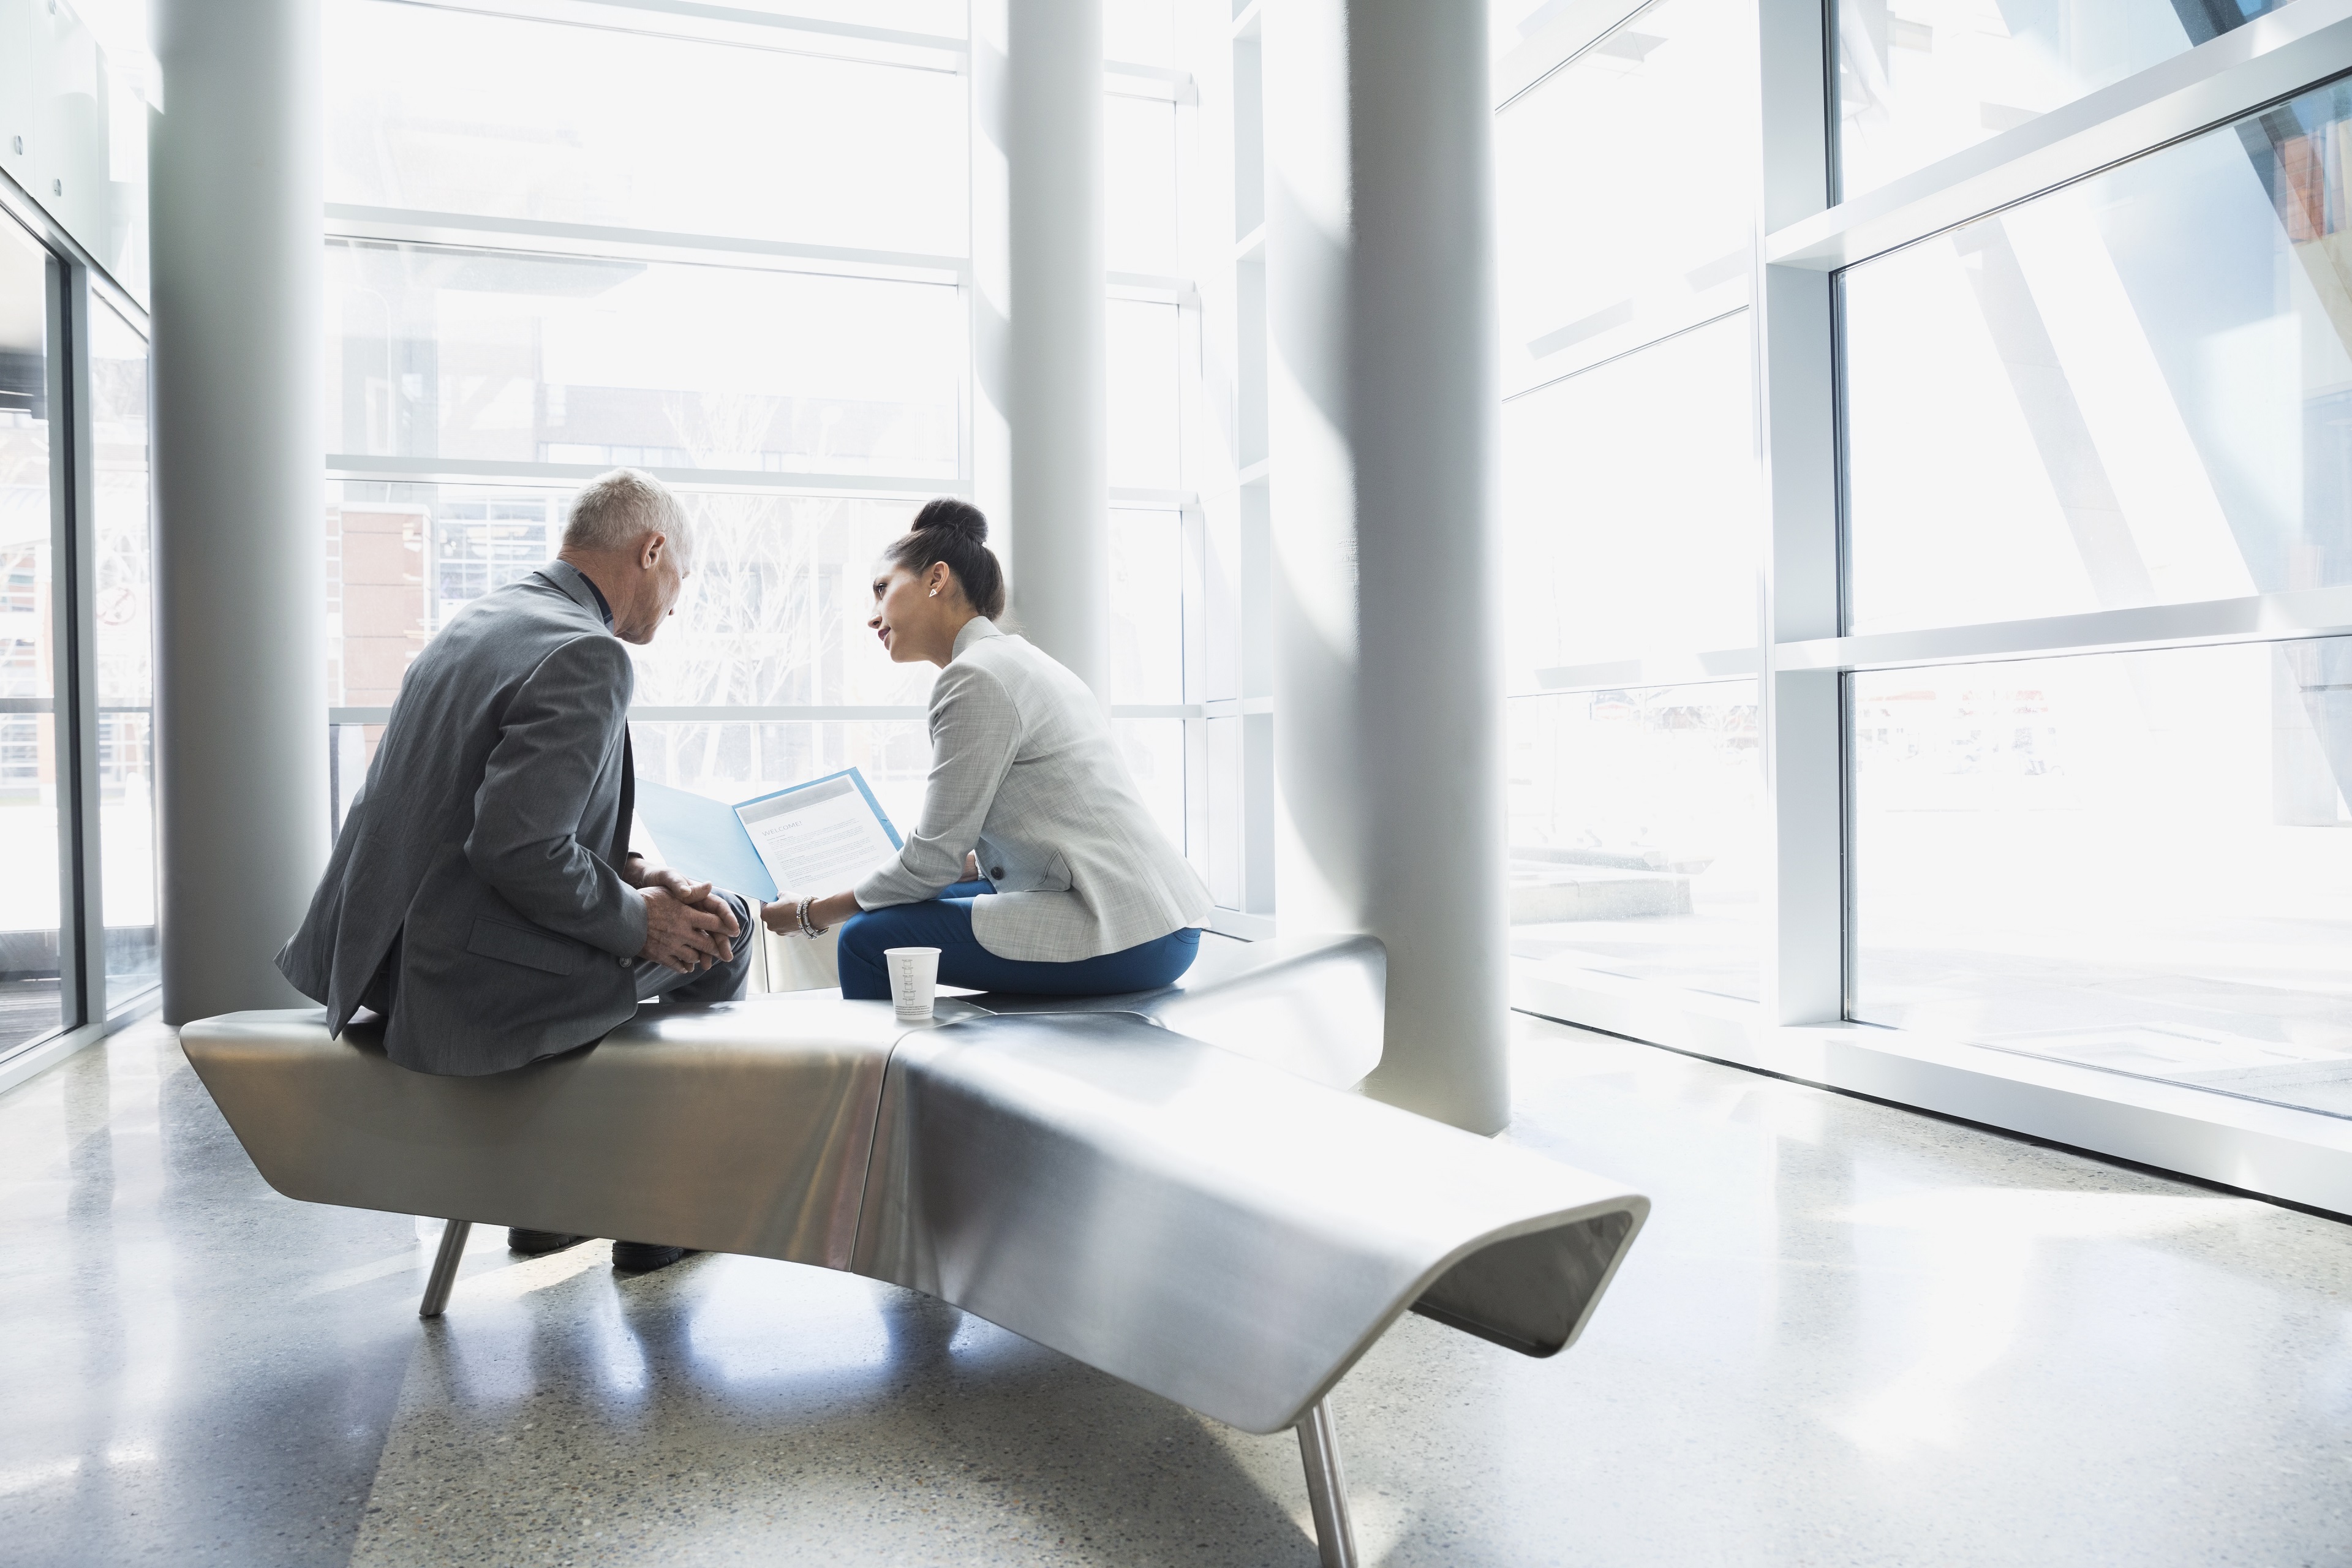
(528,614)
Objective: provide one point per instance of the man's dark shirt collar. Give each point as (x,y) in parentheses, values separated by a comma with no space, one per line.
(604,607)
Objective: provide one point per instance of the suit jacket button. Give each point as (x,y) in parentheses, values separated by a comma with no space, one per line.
(622,962)
(994,872)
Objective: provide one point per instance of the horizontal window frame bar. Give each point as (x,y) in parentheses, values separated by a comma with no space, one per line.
(48,705)
(1126,498)
(2271,58)
(356,467)
(1701,668)
(724,25)
(1135,79)
(1150,287)
(807,713)
(1666,335)
(2212,623)
(804,713)
(1560,44)
(537,237)
(1237,706)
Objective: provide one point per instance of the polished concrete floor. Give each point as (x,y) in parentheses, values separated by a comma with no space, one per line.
(1851,1335)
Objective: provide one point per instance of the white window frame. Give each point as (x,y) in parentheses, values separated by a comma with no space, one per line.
(1800,1029)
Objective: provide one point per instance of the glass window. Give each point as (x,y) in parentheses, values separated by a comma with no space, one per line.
(1145,450)
(488,355)
(773,613)
(1153,750)
(2136,390)
(1627,189)
(1139,32)
(2141,862)
(1140,184)
(1637,834)
(455,111)
(124,581)
(1631,508)
(1919,80)
(1147,598)
(31,1002)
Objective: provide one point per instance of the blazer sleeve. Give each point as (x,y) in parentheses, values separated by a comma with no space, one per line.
(558,729)
(975,732)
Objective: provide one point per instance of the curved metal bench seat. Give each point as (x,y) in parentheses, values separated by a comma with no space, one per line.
(1217,1223)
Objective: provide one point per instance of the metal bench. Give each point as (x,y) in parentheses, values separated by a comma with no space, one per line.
(1174,1188)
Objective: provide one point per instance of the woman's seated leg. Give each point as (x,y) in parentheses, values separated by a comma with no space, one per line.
(1146,966)
(943,924)
(946,924)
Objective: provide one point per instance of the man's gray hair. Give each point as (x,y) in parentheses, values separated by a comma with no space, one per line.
(614,510)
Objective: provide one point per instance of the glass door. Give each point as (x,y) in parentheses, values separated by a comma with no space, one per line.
(32,764)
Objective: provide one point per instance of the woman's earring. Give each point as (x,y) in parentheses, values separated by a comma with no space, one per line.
(935,592)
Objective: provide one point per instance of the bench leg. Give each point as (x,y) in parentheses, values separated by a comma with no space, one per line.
(445,1269)
(1327,1488)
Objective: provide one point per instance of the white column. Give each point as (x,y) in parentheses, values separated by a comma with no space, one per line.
(1383,405)
(1055,373)
(240,694)
(1804,976)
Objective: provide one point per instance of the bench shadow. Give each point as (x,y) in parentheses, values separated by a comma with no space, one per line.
(732,1405)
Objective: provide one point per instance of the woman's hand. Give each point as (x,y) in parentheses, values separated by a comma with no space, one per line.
(785,919)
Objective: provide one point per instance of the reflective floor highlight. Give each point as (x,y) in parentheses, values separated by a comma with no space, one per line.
(1850,1335)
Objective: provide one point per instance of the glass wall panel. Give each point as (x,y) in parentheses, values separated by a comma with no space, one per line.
(490,355)
(2136,390)
(123,579)
(1140,184)
(1139,32)
(2141,862)
(773,613)
(1637,834)
(1631,508)
(31,761)
(455,111)
(1626,188)
(1145,448)
(1147,606)
(1919,80)
(1153,750)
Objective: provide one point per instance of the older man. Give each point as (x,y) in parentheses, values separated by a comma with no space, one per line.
(482,895)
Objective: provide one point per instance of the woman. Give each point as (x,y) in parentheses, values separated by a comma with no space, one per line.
(1082,895)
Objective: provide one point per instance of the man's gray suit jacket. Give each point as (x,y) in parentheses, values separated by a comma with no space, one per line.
(482,858)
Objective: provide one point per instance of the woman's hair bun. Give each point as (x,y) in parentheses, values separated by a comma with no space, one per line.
(954,516)
(955,531)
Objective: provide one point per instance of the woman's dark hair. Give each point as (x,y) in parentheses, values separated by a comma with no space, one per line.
(955,531)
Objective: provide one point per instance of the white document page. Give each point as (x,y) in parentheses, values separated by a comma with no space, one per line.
(818,840)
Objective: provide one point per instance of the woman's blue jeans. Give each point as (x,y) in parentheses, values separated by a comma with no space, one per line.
(945,922)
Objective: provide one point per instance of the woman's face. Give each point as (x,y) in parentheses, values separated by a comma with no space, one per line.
(914,614)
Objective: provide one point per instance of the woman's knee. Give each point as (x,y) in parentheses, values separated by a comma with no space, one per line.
(857,954)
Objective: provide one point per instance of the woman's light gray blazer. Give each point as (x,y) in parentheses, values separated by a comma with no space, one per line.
(1024,770)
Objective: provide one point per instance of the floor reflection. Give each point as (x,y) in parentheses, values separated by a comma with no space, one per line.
(1849,1334)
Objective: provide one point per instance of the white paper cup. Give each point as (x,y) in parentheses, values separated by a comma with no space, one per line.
(914,979)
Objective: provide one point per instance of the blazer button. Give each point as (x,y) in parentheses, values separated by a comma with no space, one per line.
(994,872)
(622,962)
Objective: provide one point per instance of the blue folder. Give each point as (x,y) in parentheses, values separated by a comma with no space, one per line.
(705,838)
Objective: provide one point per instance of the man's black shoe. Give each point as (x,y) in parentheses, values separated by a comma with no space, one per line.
(535,1242)
(644,1257)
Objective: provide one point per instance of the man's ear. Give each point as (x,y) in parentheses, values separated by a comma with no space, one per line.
(655,545)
